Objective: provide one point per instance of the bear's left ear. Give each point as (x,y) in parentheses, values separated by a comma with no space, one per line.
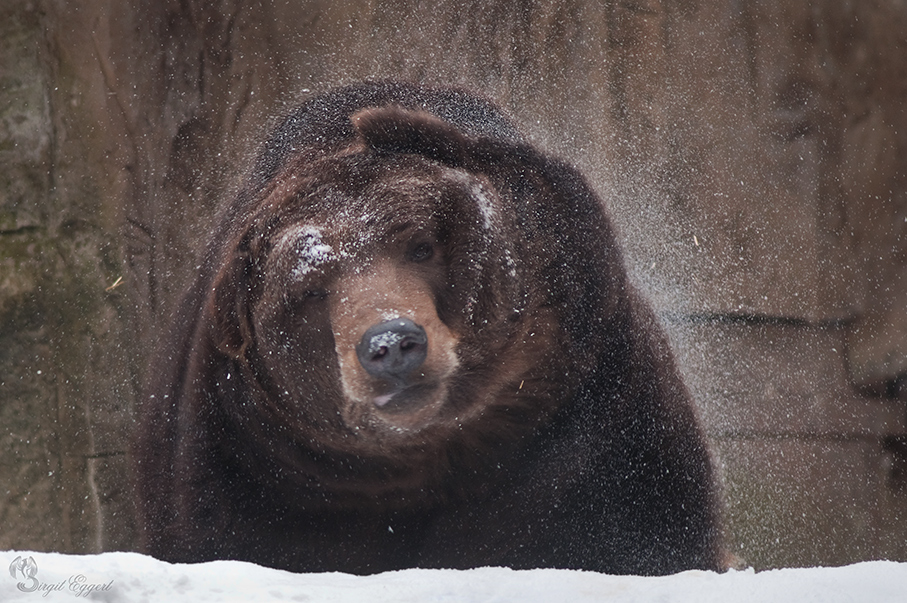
(229,305)
(397,130)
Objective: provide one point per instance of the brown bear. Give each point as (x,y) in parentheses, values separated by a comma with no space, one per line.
(412,343)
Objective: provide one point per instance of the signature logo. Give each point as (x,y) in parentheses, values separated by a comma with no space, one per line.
(27,568)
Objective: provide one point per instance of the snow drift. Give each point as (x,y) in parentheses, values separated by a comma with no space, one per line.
(130,577)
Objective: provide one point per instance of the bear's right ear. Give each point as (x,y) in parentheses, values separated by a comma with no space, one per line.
(229,305)
(397,130)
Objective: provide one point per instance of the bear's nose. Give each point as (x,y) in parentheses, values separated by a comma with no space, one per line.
(392,350)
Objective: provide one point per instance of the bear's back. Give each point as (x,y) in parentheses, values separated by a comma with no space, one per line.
(323,122)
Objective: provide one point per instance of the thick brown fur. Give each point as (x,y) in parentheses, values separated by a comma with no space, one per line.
(547,426)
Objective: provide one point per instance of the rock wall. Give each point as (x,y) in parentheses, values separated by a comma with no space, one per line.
(753,155)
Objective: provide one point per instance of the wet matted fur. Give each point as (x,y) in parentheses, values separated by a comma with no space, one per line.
(544,424)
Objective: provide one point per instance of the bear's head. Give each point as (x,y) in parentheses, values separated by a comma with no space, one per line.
(378,312)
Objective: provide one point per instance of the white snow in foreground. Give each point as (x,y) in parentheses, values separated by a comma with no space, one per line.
(132,577)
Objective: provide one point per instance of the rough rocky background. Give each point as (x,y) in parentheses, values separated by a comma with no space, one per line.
(754,155)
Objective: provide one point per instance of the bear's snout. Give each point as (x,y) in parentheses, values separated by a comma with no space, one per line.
(394,353)
(393,349)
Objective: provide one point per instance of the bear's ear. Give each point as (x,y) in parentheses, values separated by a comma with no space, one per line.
(397,130)
(229,305)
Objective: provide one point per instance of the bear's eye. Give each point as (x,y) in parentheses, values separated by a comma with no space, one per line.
(421,252)
(315,295)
